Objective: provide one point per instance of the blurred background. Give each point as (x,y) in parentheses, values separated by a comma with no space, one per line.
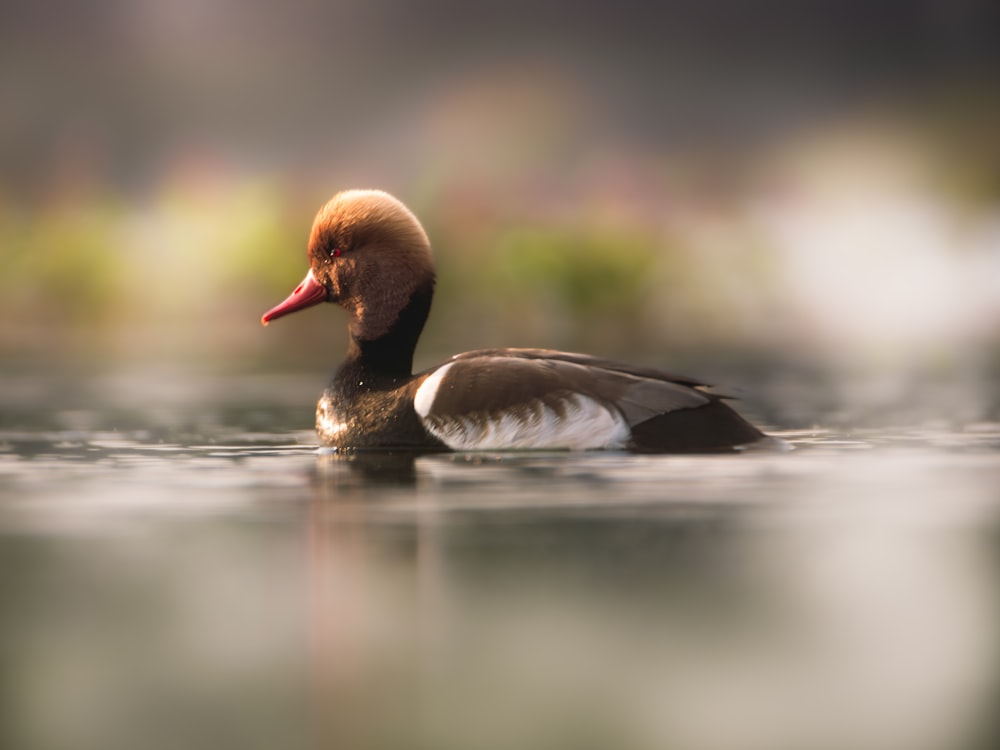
(766,191)
(796,200)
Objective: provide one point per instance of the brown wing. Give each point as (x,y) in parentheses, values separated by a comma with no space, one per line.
(492,381)
(582,359)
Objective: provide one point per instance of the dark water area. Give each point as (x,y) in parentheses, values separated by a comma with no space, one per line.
(188,571)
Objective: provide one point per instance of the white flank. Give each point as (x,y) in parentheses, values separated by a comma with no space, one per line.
(587,425)
(423,399)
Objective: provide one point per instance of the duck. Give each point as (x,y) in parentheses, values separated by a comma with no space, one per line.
(369,254)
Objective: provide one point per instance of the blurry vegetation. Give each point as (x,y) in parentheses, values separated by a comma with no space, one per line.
(579,286)
(186,273)
(61,267)
(93,276)
(774,263)
(591,273)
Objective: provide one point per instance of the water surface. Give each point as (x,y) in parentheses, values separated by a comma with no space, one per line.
(196,575)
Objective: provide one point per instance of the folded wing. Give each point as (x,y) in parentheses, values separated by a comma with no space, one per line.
(507,399)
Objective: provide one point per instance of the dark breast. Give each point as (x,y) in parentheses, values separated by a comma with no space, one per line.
(371,415)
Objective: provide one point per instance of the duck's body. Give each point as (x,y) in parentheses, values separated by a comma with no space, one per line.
(369,254)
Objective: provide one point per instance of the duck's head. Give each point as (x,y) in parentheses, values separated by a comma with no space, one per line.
(367,253)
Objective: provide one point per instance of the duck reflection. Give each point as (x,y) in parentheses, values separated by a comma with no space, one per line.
(550,594)
(360,468)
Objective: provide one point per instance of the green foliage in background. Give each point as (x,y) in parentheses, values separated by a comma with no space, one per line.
(62,266)
(592,272)
(185,273)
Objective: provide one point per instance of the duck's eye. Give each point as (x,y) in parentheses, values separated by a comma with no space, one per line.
(335,253)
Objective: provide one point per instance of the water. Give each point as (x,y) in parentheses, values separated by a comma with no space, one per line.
(192,574)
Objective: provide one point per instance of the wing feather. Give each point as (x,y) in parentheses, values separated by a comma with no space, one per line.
(509,381)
